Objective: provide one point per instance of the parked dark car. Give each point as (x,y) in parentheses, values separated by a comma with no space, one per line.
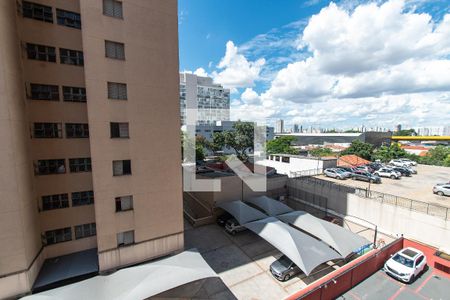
(403,171)
(366,168)
(283,268)
(347,169)
(223,218)
(375,166)
(365,176)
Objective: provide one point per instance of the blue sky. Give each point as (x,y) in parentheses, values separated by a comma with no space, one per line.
(324,64)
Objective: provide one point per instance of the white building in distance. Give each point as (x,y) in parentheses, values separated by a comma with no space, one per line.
(212,100)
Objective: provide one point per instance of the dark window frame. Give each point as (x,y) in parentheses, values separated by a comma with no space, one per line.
(118,201)
(115,50)
(45,131)
(74,94)
(85,230)
(37,11)
(71,57)
(68,18)
(82,198)
(50,166)
(117,91)
(80,164)
(116,130)
(57,201)
(117,9)
(126,167)
(125,244)
(77,130)
(41,52)
(44,92)
(59,235)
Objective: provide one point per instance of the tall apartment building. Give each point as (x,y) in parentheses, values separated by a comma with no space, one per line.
(212,100)
(85,88)
(279,126)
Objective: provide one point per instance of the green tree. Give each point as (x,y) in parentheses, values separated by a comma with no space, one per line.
(281,145)
(319,152)
(405,132)
(200,151)
(240,139)
(386,153)
(360,149)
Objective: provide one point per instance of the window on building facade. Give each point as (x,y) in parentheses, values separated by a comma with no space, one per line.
(80,164)
(125,238)
(44,92)
(119,130)
(74,94)
(71,57)
(47,130)
(82,198)
(58,235)
(37,11)
(77,130)
(85,230)
(121,167)
(112,8)
(114,50)
(124,203)
(285,159)
(117,91)
(50,166)
(55,201)
(41,52)
(68,18)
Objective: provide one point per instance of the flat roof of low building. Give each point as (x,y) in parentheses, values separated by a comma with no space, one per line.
(305,157)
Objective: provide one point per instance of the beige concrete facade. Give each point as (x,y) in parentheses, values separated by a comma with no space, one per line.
(149,32)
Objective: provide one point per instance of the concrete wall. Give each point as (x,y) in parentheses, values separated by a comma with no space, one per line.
(390,219)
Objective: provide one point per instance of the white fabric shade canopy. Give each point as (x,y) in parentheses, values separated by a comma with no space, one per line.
(270,206)
(241,211)
(138,282)
(341,239)
(305,251)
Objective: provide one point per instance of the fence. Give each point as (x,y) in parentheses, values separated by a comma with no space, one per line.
(334,285)
(311,172)
(414,205)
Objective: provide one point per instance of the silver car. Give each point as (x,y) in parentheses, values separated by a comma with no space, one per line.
(442,189)
(232,226)
(283,269)
(336,173)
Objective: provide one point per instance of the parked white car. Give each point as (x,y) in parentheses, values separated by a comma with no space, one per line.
(399,163)
(407,160)
(387,172)
(442,189)
(406,264)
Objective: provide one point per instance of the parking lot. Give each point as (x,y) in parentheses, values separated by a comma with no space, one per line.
(243,263)
(417,187)
(430,285)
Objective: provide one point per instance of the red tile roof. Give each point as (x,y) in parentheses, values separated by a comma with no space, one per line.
(351,161)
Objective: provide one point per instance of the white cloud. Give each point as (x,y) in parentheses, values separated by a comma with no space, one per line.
(373,50)
(236,70)
(249,96)
(201,72)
